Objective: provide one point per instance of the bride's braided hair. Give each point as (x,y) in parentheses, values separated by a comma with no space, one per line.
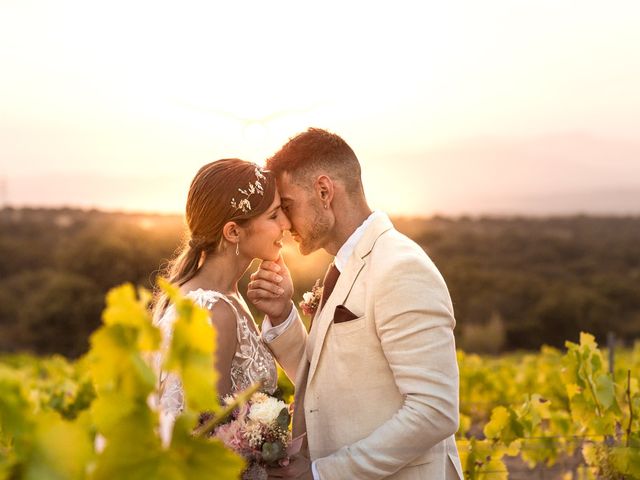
(215,198)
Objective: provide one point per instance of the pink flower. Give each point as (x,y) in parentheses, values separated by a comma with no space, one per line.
(231,435)
(259,431)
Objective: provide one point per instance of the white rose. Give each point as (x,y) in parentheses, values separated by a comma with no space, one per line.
(307,297)
(267,411)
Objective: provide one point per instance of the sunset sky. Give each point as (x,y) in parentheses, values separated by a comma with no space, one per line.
(452,107)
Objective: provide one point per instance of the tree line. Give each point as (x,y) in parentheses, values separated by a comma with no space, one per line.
(516,283)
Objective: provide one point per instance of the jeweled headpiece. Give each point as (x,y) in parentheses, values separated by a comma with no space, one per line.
(244,204)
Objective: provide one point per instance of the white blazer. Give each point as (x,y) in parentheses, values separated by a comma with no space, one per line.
(378,394)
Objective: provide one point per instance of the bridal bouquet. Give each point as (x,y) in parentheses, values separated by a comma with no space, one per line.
(259,432)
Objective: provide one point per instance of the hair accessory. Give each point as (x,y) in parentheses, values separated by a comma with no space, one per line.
(256,187)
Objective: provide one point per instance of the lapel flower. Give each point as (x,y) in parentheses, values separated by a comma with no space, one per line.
(311,300)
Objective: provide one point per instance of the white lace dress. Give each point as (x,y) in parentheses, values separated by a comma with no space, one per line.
(251,363)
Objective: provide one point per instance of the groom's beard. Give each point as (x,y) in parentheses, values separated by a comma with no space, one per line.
(318,233)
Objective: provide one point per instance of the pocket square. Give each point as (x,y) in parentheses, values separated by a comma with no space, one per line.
(343,314)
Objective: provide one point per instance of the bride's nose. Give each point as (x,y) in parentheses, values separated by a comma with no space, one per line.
(285,224)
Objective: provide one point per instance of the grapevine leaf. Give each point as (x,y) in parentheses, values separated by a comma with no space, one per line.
(60,450)
(582,411)
(588,340)
(14,407)
(117,365)
(498,422)
(626,460)
(605,391)
(572,390)
(504,425)
(604,425)
(133,453)
(191,353)
(203,458)
(123,308)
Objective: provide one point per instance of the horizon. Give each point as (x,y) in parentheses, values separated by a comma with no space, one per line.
(403,217)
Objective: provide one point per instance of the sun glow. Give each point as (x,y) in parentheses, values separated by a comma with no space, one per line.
(127,99)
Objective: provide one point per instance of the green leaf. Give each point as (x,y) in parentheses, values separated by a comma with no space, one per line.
(499,421)
(61,450)
(588,340)
(605,391)
(626,460)
(604,425)
(283,418)
(199,457)
(504,425)
(117,364)
(272,451)
(572,390)
(131,452)
(191,353)
(14,408)
(582,412)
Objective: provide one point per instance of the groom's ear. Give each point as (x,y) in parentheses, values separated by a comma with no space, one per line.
(324,188)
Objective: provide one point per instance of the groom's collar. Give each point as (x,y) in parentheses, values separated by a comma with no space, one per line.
(369,231)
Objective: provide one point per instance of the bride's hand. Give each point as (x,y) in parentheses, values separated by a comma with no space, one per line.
(271,289)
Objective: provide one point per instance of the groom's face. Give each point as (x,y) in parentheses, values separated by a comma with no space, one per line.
(310,225)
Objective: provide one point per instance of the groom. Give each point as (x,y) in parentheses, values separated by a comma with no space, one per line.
(376,377)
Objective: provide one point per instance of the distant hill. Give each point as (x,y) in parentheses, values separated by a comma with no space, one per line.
(604,201)
(516,282)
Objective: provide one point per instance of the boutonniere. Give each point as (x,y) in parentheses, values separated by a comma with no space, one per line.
(311,300)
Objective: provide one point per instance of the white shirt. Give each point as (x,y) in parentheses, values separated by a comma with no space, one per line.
(342,257)
(270,333)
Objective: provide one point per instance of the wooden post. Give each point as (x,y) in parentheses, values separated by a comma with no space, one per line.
(611,346)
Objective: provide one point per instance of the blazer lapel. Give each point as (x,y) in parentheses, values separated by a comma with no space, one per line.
(325,317)
(343,287)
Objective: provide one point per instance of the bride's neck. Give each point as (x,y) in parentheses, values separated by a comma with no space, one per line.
(221,272)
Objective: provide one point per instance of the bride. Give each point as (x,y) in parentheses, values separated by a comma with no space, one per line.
(233,215)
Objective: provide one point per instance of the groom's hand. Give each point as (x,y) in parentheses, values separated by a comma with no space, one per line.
(299,468)
(271,289)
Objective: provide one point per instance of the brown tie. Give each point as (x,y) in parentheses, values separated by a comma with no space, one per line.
(330,279)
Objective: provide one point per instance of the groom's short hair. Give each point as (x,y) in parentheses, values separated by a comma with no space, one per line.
(316,150)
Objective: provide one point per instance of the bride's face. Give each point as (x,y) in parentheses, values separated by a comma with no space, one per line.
(264,239)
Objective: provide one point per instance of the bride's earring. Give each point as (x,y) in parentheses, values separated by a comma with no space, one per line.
(238,248)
